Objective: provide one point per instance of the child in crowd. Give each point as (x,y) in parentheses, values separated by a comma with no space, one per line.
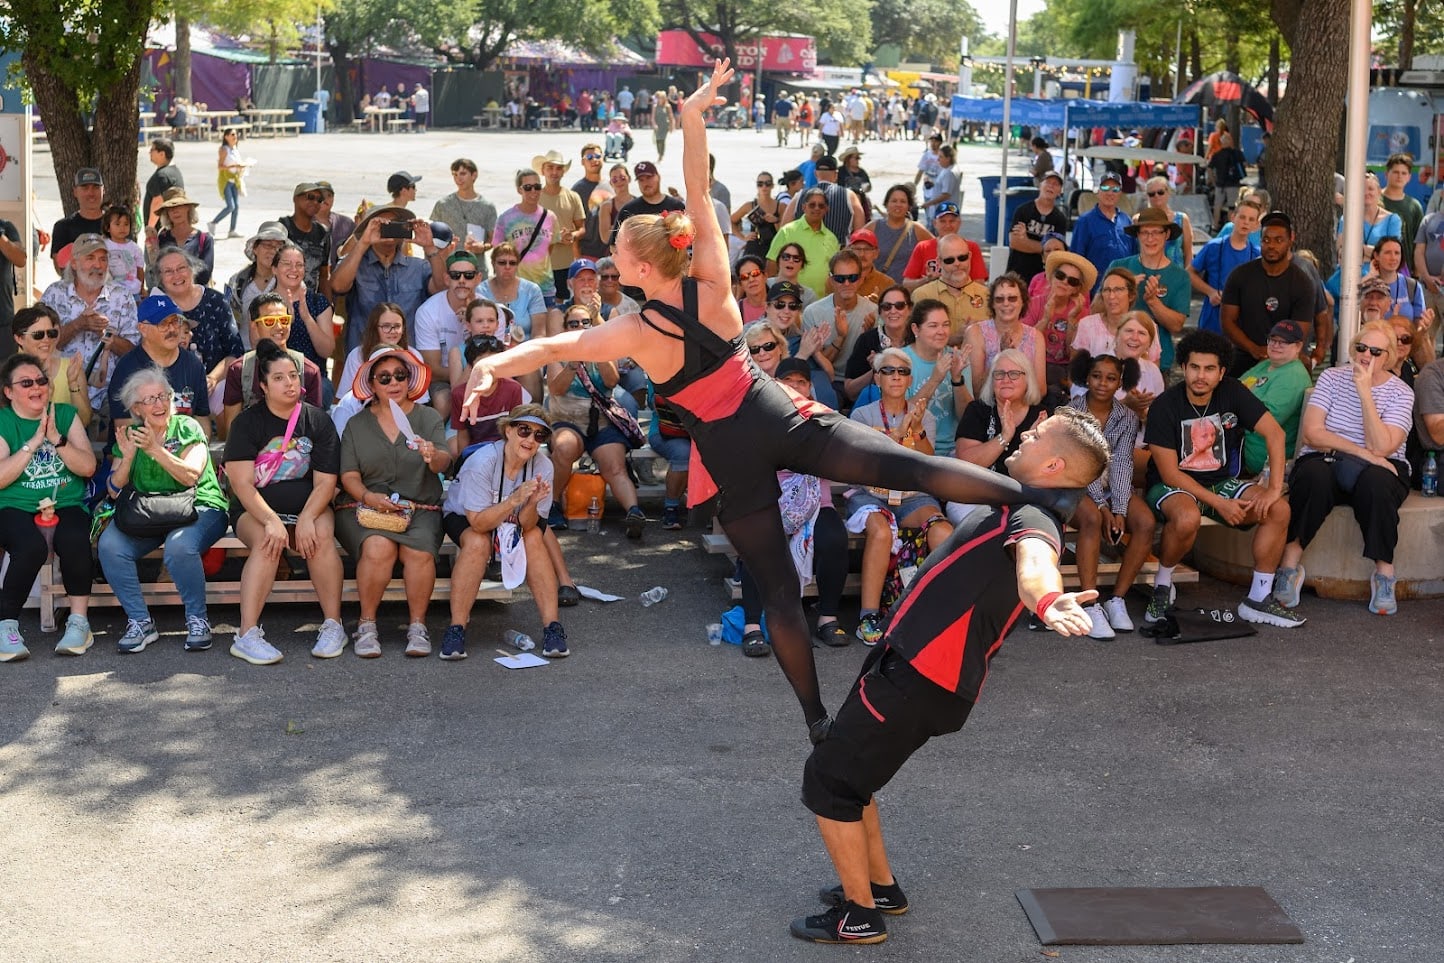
(127,260)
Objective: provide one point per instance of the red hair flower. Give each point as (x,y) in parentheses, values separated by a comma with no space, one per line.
(680,241)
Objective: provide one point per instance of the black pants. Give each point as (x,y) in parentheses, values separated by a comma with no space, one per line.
(829,567)
(564,290)
(1376,498)
(831,141)
(21,538)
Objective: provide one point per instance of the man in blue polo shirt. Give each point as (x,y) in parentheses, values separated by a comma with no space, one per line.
(1100,234)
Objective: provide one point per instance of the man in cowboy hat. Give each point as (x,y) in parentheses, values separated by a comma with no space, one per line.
(89,192)
(257,277)
(570,212)
(1099,235)
(1164,288)
(376,269)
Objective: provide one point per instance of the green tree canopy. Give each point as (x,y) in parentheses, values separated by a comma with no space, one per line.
(926,30)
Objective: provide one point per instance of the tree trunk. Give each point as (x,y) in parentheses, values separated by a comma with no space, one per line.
(273,42)
(1195,55)
(1407,20)
(1275,58)
(1232,59)
(346,98)
(180,71)
(1306,139)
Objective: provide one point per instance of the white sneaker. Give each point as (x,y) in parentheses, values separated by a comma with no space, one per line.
(12,646)
(1101,629)
(418,642)
(330,641)
(252,647)
(366,643)
(1117,611)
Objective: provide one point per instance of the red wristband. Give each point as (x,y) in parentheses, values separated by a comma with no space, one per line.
(1046,601)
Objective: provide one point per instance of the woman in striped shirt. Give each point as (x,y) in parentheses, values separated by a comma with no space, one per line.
(1111,507)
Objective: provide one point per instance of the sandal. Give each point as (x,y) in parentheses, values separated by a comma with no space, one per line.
(567,596)
(755,645)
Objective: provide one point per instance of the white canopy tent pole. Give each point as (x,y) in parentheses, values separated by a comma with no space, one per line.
(1356,134)
(998,252)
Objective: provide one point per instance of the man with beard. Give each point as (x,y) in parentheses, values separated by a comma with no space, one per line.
(94,310)
(1260,294)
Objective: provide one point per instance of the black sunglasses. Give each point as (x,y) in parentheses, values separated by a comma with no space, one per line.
(575,324)
(42,381)
(846,278)
(591,157)
(894,305)
(1062,275)
(1358,349)
(787,305)
(764,346)
(527,431)
(1157,193)
(386,377)
(531,187)
(889,369)
(41,335)
(609,277)
(954,260)
(461,275)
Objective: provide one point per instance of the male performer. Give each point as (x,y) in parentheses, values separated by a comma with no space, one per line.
(923,679)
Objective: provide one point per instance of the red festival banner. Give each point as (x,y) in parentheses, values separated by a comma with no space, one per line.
(792,55)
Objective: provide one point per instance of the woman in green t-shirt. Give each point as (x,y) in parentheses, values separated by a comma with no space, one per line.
(44,456)
(160,452)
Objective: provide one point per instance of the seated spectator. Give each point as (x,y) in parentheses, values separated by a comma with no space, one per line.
(893,307)
(1351,453)
(991,427)
(37,333)
(750,282)
(1428,414)
(927,348)
(178,218)
(271,321)
(385,325)
(492,408)
(609,286)
(45,459)
(438,324)
(668,438)
(806,506)
(282,460)
(1039,281)
(161,452)
(382,470)
(1195,433)
(784,318)
(162,328)
(965,297)
(523,297)
(1280,381)
(213,334)
(1005,329)
(878,513)
(1111,507)
(506,481)
(791,262)
(579,424)
(842,316)
(1413,348)
(767,345)
(483,318)
(1071,278)
(1098,333)
(313,332)
(1165,290)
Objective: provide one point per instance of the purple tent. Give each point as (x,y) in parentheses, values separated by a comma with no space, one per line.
(215,81)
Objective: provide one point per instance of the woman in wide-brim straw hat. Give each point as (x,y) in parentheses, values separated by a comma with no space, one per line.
(744,427)
(178,218)
(381,458)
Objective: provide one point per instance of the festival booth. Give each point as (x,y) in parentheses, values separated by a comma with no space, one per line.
(776,62)
(1218,93)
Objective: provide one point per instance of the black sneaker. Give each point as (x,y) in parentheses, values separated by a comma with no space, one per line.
(554,642)
(848,923)
(1158,604)
(832,635)
(672,519)
(889,899)
(634,522)
(453,643)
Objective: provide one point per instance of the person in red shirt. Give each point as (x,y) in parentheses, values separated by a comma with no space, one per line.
(925,676)
(923,264)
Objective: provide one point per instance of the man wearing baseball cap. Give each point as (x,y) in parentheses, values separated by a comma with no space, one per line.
(844,208)
(863,243)
(402,187)
(162,326)
(923,262)
(313,237)
(1101,235)
(89,192)
(1279,381)
(1031,221)
(649,200)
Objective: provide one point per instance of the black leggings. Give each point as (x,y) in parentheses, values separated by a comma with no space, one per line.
(22,539)
(1376,498)
(832,447)
(829,568)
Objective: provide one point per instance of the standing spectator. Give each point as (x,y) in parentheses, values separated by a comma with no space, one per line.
(1042,161)
(1101,234)
(929,167)
(421,107)
(896,232)
(88,192)
(313,235)
(45,456)
(1398,172)
(1378,221)
(594,195)
(532,230)
(338,225)
(829,127)
(12,255)
(569,213)
(127,260)
(1217,259)
(1260,294)
(1031,222)
(663,120)
(470,216)
(1226,170)
(1352,452)
(947,184)
(1180,248)
(844,208)
(782,110)
(165,176)
(178,219)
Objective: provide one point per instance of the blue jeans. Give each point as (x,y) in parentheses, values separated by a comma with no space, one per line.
(119,553)
(232,197)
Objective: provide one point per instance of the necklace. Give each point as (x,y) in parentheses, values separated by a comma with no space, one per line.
(1206,405)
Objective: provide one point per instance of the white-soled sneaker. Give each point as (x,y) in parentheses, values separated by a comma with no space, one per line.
(330,641)
(1117,611)
(252,647)
(1101,629)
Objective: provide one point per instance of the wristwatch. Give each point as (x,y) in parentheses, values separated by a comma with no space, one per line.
(26,448)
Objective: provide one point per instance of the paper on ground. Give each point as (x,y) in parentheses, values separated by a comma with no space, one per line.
(596,595)
(522,660)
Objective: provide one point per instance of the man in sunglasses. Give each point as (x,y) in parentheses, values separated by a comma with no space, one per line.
(162,327)
(844,213)
(922,266)
(312,236)
(439,324)
(863,243)
(966,299)
(842,314)
(270,320)
(811,234)
(594,195)
(1195,433)
(1101,234)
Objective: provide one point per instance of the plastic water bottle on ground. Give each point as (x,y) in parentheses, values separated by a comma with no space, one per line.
(594,517)
(652,596)
(1430,479)
(518,640)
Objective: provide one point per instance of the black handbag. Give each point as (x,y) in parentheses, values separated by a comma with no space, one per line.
(154,514)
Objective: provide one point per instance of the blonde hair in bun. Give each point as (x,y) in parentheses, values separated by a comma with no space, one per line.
(650,238)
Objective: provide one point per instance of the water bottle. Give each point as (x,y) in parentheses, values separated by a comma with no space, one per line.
(518,640)
(1430,482)
(1263,476)
(594,517)
(652,596)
